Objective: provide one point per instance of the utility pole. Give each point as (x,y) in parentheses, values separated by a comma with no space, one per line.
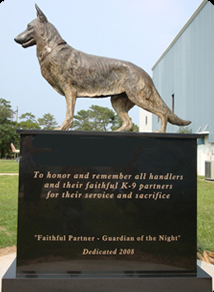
(15,112)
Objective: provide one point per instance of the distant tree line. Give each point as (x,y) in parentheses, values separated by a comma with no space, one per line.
(96,118)
(7,127)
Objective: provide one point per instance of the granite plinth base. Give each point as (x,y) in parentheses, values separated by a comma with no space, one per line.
(33,283)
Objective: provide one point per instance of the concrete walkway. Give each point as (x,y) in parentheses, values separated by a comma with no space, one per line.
(208,268)
(5,262)
(9,173)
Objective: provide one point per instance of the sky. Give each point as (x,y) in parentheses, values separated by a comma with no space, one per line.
(137,31)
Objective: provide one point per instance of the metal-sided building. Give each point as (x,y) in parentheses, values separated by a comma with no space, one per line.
(184,77)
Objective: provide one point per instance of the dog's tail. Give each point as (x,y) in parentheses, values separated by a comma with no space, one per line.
(171,117)
(175,120)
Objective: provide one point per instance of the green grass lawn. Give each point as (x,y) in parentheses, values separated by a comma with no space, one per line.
(8,210)
(206,215)
(9,198)
(9,166)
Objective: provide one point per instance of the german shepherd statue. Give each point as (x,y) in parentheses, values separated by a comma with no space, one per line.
(75,74)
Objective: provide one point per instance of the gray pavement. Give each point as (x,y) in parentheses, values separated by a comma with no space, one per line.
(5,262)
(2,173)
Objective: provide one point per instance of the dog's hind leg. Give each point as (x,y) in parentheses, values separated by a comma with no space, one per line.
(150,105)
(70,105)
(122,105)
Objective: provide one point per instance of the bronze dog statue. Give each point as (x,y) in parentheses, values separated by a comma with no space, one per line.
(75,74)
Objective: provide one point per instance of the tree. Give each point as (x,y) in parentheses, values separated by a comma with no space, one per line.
(5,111)
(28,117)
(184,130)
(97,118)
(48,122)
(7,128)
(81,121)
(29,122)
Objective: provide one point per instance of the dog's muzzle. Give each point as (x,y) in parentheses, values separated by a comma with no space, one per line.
(20,39)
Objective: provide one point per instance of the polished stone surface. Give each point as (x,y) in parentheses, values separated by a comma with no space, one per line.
(124,283)
(108,204)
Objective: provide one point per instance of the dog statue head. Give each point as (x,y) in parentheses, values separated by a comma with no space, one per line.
(36,27)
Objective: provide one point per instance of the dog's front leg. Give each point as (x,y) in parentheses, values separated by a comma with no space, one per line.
(70,97)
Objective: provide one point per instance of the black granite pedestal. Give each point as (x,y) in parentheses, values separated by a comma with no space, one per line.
(106,212)
(96,283)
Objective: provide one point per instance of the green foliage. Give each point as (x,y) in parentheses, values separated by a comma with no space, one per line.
(7,128)
(5,111)
(29,122)
(135,128)
(8,135)
(184,130)
(48,122)
(28,117)
(97,118)
(81,121)
(8,210)
(205,215)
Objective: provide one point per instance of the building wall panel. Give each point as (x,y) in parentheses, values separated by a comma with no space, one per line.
(187,71)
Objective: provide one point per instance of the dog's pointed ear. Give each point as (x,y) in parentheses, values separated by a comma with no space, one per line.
(41,15)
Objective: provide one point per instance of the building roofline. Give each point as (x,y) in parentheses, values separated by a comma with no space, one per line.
(181,32)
